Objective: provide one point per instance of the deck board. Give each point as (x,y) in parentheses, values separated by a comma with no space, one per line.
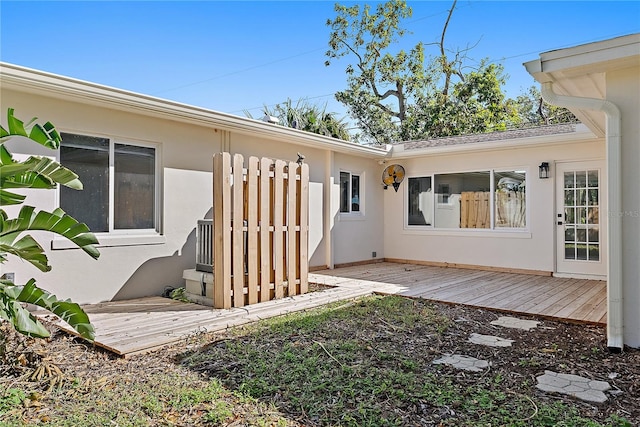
(141,325)
(552,297)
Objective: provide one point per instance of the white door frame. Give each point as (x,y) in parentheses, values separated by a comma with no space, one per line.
(576,220)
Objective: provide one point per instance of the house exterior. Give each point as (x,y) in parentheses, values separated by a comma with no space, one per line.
(474,201)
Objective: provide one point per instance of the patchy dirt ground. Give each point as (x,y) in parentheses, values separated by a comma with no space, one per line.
(71,369)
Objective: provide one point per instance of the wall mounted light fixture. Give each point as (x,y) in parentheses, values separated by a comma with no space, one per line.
(543,170)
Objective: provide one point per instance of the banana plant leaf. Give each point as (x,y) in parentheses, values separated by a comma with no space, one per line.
(57,222)
(37,172)
(45,135)
(9,198)
(12,310)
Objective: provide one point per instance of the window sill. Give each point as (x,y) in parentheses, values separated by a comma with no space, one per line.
(111,240)
(352,216)
(470,232)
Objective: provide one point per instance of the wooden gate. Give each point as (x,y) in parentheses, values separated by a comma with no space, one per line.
(260,230)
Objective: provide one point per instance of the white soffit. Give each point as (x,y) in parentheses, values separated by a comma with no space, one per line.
(581,71)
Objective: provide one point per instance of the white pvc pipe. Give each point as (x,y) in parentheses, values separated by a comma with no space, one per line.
(615,318)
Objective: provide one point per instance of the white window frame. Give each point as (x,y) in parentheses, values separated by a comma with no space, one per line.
(492,229)
(123,237)
(351,213)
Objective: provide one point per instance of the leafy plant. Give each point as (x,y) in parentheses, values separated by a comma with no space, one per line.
(36,172)
(11,398)
(179,294)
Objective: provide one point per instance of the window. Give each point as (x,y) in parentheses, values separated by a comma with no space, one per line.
(119,183)
(510,199)
(349,192)
(467,200)
(420,201)
(481,200)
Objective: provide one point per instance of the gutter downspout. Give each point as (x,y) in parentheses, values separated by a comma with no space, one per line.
(615,322)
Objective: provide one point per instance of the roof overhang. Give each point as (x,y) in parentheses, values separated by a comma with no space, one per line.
(581,134)
(26,80)
(581,71)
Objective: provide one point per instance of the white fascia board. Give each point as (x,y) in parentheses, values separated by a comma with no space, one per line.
(591,58)
(39,82)
(582,133)
(612,53)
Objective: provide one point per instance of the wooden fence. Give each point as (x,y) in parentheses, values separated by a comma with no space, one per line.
(260,230)
(474,209)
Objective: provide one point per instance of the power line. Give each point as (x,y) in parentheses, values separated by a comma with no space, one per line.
(237,72)
(410,22)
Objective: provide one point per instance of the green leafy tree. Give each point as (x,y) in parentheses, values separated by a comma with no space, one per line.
(36,173)
(533,111)
(309,118)
(395,94)
(476,104)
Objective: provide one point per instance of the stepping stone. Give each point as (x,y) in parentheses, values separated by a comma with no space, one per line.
(463,362)
(490,340)
(515,323)
(573,385)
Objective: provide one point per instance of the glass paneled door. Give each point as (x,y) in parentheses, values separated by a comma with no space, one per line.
(581,227)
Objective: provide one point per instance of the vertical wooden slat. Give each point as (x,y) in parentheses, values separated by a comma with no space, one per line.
(222,230)
(260,230)
(252,230)
(292,205)
(303,222)
(238,235)
(473,210)
(464,210)
(278,229)
(482,218)
(265,247)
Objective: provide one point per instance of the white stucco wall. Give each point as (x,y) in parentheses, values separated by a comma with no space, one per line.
(185,153)
(620,84)
(357,235)
(532,248)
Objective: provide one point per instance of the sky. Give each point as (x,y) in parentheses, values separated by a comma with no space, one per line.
(237,56)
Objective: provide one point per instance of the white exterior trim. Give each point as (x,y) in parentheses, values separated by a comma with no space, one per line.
(614,205)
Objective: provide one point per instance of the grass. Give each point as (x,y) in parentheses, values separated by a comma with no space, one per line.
(355,366)
(362,363)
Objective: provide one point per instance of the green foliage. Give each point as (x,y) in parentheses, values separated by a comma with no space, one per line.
(36,173)
(10,399)
(383,83)
(533,111)
(475,105)
(309,118)
(179,294)
(398,95)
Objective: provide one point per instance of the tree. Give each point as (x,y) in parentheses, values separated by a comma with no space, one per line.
(309,118)
(533,111)
(399,95)
(36,173)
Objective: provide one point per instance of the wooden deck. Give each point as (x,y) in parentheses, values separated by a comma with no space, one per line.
(137,326)
(550,297)
(141,325)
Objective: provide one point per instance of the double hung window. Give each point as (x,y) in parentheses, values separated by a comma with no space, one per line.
(119,180)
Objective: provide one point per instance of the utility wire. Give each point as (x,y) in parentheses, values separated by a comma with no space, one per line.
(411,22)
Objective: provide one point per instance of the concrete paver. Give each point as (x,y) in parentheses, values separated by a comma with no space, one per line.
(490,340)
(463,362)
(573,385)
(515,323)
